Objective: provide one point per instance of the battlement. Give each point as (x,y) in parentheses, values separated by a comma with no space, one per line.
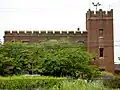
(99,14)
(45,33)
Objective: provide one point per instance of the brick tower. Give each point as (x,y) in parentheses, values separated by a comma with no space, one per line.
(99,26)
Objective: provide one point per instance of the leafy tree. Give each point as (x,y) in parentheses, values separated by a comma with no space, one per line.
(51,58)
(67,59)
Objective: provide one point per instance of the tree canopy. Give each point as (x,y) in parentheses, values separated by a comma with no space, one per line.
(50,58)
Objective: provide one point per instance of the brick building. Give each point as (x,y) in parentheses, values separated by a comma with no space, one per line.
(98,37)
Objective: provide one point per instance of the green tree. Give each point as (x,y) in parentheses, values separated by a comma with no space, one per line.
(53,57)
(67,59)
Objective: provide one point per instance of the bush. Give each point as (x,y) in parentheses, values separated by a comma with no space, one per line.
(105,73)
(112,83)
(77,85)
(45,83)
(28,82)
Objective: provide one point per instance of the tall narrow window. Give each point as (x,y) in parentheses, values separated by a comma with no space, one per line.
(100,32)
(101,52)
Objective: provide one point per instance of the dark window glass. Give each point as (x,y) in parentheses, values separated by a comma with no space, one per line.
(101,52)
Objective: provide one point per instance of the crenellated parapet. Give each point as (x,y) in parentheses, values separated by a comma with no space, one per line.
(45,33)
(99,14)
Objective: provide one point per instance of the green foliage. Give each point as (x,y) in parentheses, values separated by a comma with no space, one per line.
(28,82)
(19,57)
(50,58)
(77,85)
(105,73)
(112,83)
(47,83)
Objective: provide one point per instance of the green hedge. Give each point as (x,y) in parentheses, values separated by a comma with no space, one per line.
(28,82)
(45,83)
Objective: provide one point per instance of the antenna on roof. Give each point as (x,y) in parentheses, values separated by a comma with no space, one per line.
(96,5)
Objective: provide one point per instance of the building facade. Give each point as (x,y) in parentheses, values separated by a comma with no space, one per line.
(98,37)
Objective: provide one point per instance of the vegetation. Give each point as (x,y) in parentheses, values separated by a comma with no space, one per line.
(52,83)
(28,82)
(49,58)
(112,83)
(77,85)
(49,83)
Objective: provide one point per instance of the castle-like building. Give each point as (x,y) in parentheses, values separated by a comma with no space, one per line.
(98,37)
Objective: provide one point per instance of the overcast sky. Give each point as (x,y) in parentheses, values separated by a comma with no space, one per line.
(53,15)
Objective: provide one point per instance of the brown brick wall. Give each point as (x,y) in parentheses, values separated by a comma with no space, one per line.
(37,36)
(94,22)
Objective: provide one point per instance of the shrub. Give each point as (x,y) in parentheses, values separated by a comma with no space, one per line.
(112,83)
(28,82)
(76,85)
(45,83)
(105,73)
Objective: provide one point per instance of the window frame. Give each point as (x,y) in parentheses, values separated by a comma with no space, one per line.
(101,33)
(101,52)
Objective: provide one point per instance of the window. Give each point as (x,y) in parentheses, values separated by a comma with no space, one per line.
(101,52)
(100,32)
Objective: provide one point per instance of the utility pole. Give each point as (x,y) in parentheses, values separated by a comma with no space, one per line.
(96,5)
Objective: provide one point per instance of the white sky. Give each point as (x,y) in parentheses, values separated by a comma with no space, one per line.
(53,15)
